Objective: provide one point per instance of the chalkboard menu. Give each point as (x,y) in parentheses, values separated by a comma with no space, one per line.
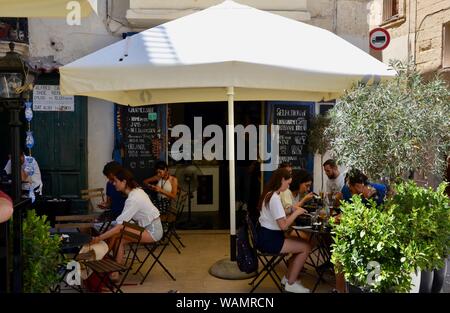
(293,122)
(142,138)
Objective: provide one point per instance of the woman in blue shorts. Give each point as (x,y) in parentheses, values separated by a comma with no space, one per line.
(272,224)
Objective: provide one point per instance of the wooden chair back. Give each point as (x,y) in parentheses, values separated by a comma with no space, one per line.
(80,222)
(89,194)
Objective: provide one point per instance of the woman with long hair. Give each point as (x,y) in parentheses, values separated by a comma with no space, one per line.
(273,222)
(299,191)
(139,208)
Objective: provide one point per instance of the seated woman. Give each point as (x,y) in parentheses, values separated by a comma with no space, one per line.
(273,223)
(164,184)
(298,193)
(358,183)
(139,208)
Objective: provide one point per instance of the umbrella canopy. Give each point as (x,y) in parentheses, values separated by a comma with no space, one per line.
(262,55)
(45,8)
(226,52)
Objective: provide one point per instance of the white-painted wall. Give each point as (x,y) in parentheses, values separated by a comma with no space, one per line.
(53,37)
(100,139)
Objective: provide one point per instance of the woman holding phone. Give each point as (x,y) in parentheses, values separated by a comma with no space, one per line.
(164,184)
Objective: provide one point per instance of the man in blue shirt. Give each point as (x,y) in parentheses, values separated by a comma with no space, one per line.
(357,183)
(115,201)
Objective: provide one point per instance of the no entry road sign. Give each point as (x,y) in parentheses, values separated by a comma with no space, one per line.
(379,38)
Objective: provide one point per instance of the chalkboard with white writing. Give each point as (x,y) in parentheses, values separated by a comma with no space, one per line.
(142,138)
(293,121)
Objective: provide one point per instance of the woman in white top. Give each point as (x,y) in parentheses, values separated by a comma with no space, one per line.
(273,223)
(139,208)
(164,184)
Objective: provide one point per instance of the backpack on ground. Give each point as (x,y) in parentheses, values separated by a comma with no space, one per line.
(247,260)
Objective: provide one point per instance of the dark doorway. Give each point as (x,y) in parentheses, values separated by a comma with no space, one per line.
(216,113)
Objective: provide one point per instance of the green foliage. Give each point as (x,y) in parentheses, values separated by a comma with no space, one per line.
(317,141)
(425,213)
(367,234)
(41,254)
(404,120)
(411,231)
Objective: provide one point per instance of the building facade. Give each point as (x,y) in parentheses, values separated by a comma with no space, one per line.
(419,30)
(349,19)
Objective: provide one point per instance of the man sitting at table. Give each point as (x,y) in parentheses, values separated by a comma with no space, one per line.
(336,179)
(358,183)
(115,200)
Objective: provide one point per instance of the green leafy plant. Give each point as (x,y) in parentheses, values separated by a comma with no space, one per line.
(425,214)
(411,231)
(41,254)
(366,235)
(404,120)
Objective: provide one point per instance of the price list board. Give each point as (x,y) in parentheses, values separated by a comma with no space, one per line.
(142,138)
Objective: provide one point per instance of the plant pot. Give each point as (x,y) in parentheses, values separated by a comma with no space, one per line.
(415,281)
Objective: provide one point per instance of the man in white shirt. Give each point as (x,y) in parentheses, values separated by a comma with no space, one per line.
(336,179)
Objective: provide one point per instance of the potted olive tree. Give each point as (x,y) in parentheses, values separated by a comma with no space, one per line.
(388,130)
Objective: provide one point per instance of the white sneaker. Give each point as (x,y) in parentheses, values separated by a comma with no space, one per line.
(284,280)
(296,288)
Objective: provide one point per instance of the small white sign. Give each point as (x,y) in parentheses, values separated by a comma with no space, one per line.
(48,98)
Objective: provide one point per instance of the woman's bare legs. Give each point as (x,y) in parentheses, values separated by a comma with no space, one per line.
(300,251)
(146,238)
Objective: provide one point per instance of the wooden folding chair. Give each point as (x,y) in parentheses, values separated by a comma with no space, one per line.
(170,219)
(156,255)
(89,194)
(107,266)
(179,208)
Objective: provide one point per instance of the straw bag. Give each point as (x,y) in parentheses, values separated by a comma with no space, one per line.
(91,252)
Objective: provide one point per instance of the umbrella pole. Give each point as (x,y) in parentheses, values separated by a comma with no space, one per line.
(230,95)
(228,268)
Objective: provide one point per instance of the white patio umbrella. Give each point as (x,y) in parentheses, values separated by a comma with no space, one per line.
(226,52)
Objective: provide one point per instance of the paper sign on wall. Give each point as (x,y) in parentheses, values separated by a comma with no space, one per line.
(48,98)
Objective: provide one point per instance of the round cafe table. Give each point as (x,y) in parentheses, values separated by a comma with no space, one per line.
(321,235)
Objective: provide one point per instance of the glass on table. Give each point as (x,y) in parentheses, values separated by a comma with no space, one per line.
(315,219)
